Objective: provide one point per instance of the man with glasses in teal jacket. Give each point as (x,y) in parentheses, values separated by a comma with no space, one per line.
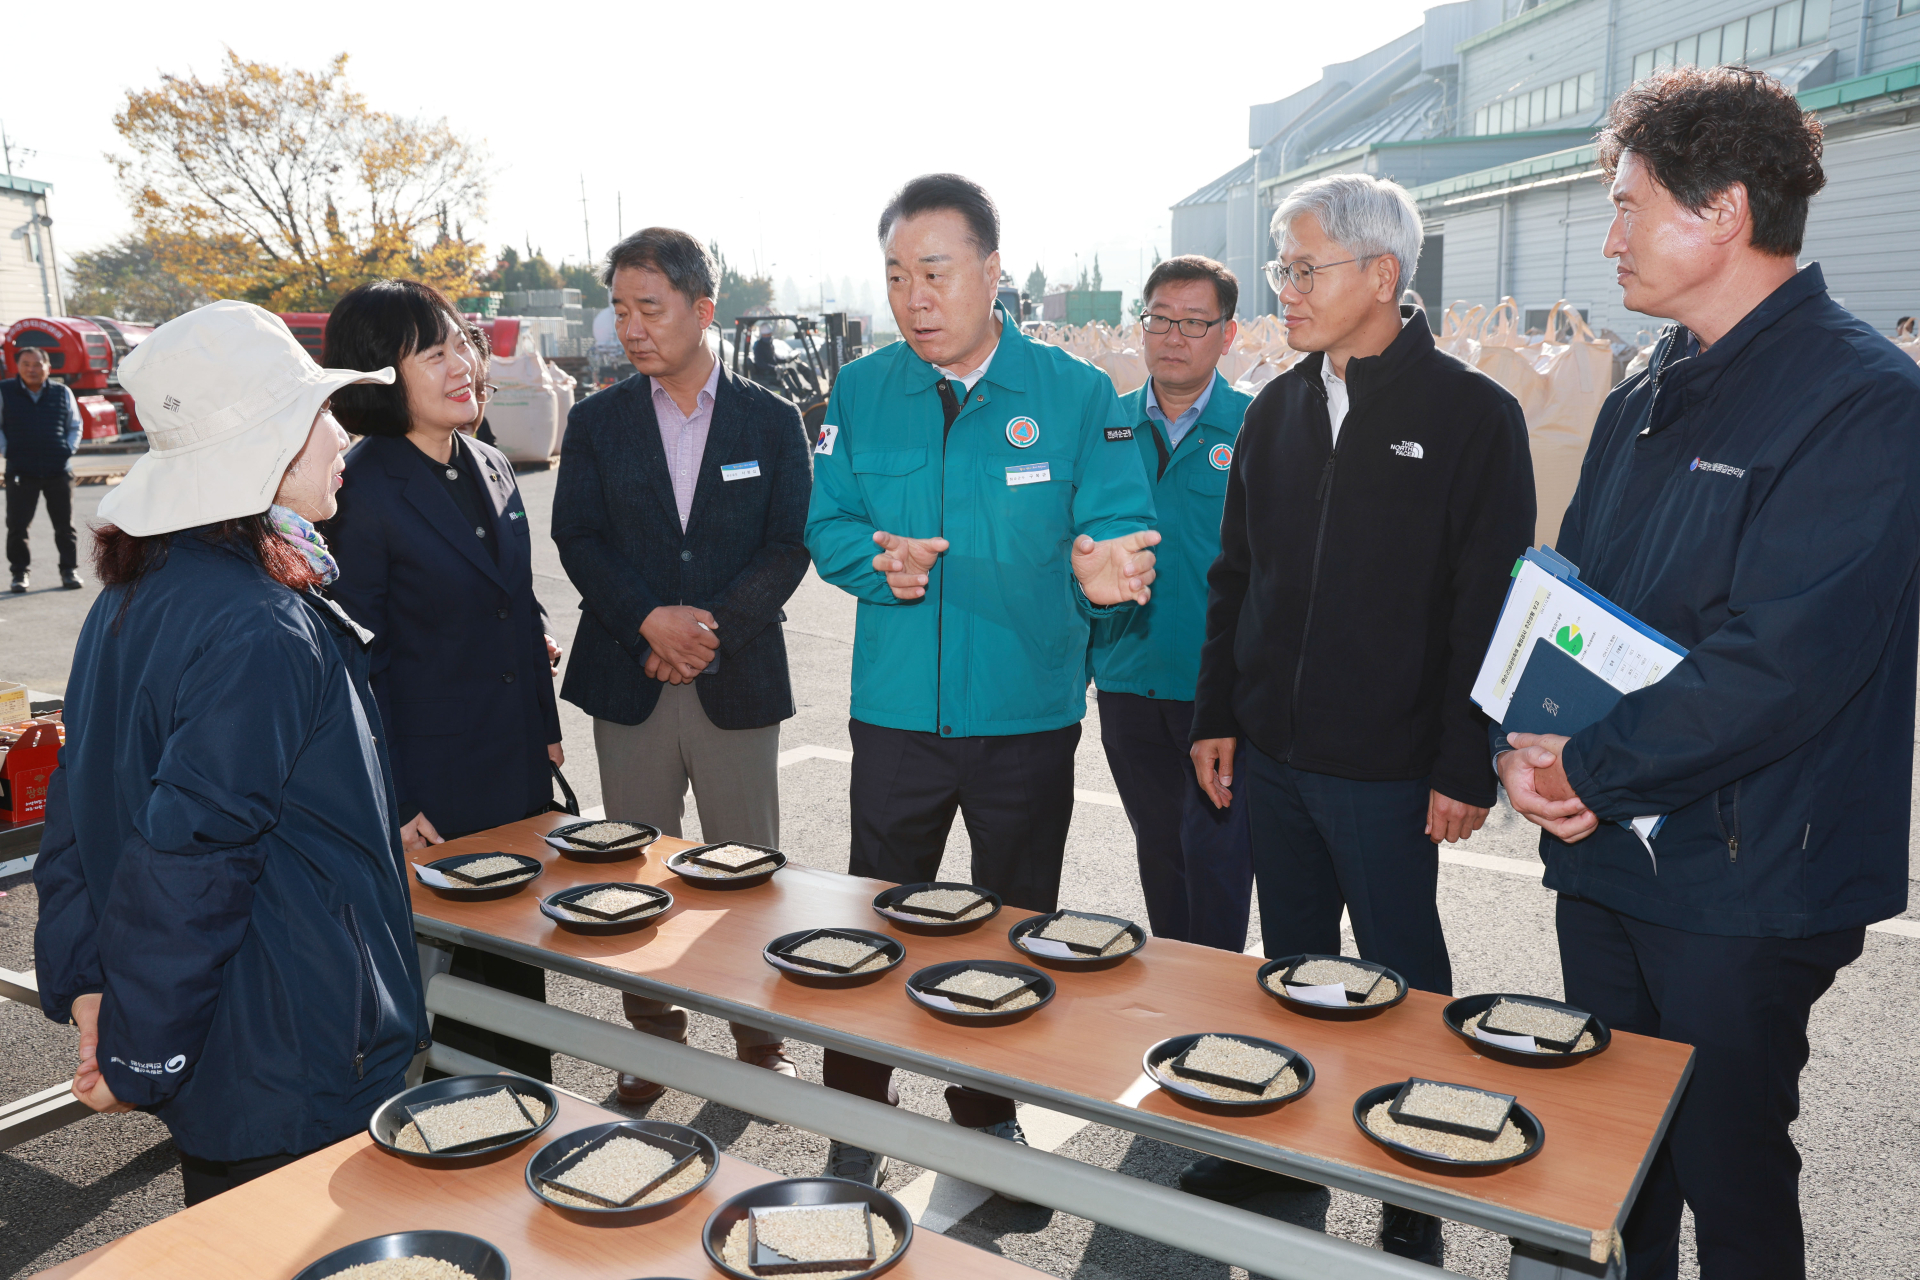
(1196,861)
(977,491)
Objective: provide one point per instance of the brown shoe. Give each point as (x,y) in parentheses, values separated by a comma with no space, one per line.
(633,1091)
(771,1056)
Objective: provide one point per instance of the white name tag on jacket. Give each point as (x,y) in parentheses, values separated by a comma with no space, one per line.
(740,470)
(1031,473)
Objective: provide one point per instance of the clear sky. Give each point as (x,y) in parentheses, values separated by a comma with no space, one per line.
(778,130)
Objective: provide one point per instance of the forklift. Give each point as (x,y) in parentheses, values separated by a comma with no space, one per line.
(806,378)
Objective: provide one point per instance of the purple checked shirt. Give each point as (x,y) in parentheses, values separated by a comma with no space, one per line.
(684,437)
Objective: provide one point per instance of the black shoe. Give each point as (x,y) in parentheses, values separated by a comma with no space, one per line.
(70,581)
(1407,1234)
(20,583)
(1229,1182)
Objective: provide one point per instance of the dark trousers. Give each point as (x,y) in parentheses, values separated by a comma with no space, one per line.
(23,497)
(1321,843)
(1196,861)
(1743,1004)
(205,1179)
(1015,793)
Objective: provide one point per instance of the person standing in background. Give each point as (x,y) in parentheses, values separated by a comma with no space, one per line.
(679,516)
(436,559)
(1379,497)
(39,431)
(1196,865)
(969,668)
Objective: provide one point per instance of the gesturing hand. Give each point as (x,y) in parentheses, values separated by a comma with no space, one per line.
(88,1084)
(1115,570)
(418,834)
(683,642)
(1213,766)
(907,562)
(1538,789)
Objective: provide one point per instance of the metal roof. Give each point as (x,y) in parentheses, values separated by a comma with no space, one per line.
(1216,191)
(9,182)
(1401,120)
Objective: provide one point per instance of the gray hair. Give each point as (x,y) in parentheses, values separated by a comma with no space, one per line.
(684,261)
(1369,217)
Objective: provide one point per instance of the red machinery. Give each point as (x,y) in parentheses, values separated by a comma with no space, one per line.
(310,331)
(85,352)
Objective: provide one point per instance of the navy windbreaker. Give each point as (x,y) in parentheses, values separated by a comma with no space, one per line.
(1760,504)
(221,861)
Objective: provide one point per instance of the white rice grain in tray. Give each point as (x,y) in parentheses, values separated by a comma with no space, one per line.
(944,900)
(472,1119)
(1280,1086)
(492,867)
(409,1139)
(1083,930)
(837,951)
(734,1251)
(618,1169)
(1586,1037)
(1458,1106)
(1235,1059)
(604,833)
(1325,973)
(734,855)
(610,900)
(679,1184)
(1509,1144)
(404,1269)
(1519,1018)
(816,1234)
(980,984)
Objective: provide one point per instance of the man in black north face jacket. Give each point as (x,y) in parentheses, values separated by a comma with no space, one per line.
(1755,495)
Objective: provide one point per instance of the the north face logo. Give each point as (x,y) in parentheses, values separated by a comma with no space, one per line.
(1409,449)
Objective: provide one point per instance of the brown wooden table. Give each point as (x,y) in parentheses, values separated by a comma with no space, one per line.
(272,1227)
(1082,1054)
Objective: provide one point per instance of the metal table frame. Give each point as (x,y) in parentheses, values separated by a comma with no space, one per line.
(1543,1249)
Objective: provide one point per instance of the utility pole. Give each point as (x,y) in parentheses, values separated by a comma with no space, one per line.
(584,227)
(619,216)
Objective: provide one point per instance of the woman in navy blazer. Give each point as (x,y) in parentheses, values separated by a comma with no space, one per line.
(436,560)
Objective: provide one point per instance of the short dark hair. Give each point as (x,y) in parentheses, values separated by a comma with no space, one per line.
(934,191)
(676,255)
(1700,130)
(377,325)
(1192,266)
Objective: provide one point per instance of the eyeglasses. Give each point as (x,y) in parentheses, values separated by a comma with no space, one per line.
(1189,327)
(1300,274)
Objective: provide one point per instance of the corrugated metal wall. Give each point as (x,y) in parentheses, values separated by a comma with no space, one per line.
(1864,229)
(25,287)
(1470,266)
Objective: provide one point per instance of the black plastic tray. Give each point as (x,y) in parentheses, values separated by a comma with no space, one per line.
(602,928)
(1530,1128)
(885,905)
(1456,1013)
(752,880)
(1156,1056)
(1397,1110)
(1325,1010)
(557,1150)
(895,950)
(1017,937)
(618,853)
(934,974)
(470,1253)
(390,1117)
(480,892)
(797,1191)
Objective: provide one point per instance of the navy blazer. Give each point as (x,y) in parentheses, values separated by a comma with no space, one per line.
(459,655)
(740,557)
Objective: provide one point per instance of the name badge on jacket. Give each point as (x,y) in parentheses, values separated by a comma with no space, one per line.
(1031,473)
(740,470)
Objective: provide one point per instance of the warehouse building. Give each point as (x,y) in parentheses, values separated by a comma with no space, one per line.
(1487,115)
(29,278)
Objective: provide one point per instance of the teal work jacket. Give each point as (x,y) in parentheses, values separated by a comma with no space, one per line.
(1037,457)
(1154,650)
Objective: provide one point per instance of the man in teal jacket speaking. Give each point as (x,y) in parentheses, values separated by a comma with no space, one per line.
(977,491)
(1196,861)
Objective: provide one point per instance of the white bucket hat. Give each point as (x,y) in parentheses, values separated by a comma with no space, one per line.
(227,397)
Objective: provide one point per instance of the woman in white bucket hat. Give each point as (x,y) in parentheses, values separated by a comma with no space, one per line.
(223,910)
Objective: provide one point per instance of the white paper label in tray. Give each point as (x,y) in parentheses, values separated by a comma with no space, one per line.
(1523,1043)
(429,876)
(1333,994)
(938,1002)
(1048,947)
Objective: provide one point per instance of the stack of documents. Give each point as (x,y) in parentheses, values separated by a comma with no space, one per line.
(1562,655)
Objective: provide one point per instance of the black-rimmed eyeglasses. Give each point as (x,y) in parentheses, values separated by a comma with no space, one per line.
(1300,274)
(1189,327)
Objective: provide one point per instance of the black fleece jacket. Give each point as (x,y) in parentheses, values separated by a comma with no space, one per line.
(1357,587)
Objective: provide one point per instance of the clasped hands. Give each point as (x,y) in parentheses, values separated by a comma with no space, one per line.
(1109,572)
(684,641)
(1537,786)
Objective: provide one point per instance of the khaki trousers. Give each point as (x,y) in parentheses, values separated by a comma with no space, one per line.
(645,769)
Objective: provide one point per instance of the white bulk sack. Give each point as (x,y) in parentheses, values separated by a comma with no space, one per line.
(525,412)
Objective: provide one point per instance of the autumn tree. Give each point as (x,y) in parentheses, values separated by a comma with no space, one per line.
(134,278)
(320,191)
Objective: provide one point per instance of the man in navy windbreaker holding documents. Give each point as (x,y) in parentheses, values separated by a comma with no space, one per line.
(1755,495)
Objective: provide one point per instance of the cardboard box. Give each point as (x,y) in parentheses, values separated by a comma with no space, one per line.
(13,703)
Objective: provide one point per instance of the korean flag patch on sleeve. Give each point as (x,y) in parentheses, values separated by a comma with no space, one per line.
(829,432)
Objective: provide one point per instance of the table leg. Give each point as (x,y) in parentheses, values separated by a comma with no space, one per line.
(436,957)
(1531,1262)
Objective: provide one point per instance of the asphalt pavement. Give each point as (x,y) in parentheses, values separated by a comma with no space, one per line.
(1859,1130)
